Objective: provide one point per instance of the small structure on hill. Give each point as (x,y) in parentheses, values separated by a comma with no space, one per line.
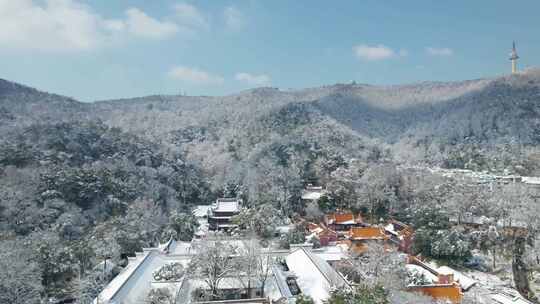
(471,222)
(313,193)
(222,212)
(513,58)
(201,213)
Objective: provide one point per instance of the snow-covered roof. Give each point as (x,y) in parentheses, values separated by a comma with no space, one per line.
(533,180)
(201,210)
(510,222)
(313,192)
(464,281)
(367,233)
(503,298)
(477,220)
(136,279)
(277,287)
(314,276)
(312,195)
(390,229)
(113,288)
(226,205)
(284,228)
(332,253)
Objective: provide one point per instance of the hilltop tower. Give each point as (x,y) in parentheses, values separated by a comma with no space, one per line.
(514,57)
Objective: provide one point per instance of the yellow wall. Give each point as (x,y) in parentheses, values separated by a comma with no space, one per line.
(451,292)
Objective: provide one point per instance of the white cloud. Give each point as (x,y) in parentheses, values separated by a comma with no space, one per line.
(195,76)
(376,52)
(190,17)
(433,51)
(70,25)
(140,24)
(53,26)
(257,80)
(234,18)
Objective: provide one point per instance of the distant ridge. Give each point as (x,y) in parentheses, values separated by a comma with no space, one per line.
(8,87)
(421,122)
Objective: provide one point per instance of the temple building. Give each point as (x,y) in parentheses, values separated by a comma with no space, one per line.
(221,213)
(342,221)
(361,237)
(313,193)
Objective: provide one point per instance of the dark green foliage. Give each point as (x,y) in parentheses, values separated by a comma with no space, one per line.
(15,154)
(304,299)
(434,237)
(76,143)
(327,204)
(5,115)
(192,134)
(160,296)
(360,295)
(451,245)
(430,215)
(81,180)
(184,225)
(56,259)
(295,236)
(86,186)
(20,282)
(262,220)
(288,118)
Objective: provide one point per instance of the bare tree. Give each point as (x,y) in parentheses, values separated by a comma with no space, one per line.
(383,267)
(213,262)
(255,265)
(20,282)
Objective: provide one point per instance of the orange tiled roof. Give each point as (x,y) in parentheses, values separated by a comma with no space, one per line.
(367,233)
(340,218)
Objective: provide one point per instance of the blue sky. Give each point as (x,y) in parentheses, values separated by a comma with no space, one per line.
(102,49)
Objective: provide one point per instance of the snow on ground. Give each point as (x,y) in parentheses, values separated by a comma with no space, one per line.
(201,211)
(180,248)
(490,286)
(332,253)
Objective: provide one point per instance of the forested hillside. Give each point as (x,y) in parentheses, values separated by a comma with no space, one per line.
(84,182)
(486,124)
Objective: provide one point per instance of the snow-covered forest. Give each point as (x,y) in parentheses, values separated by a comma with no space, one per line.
(85,185)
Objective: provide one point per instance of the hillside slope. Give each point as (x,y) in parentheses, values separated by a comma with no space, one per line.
(22,106)
(454,124)
(108,178)
(422,122)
